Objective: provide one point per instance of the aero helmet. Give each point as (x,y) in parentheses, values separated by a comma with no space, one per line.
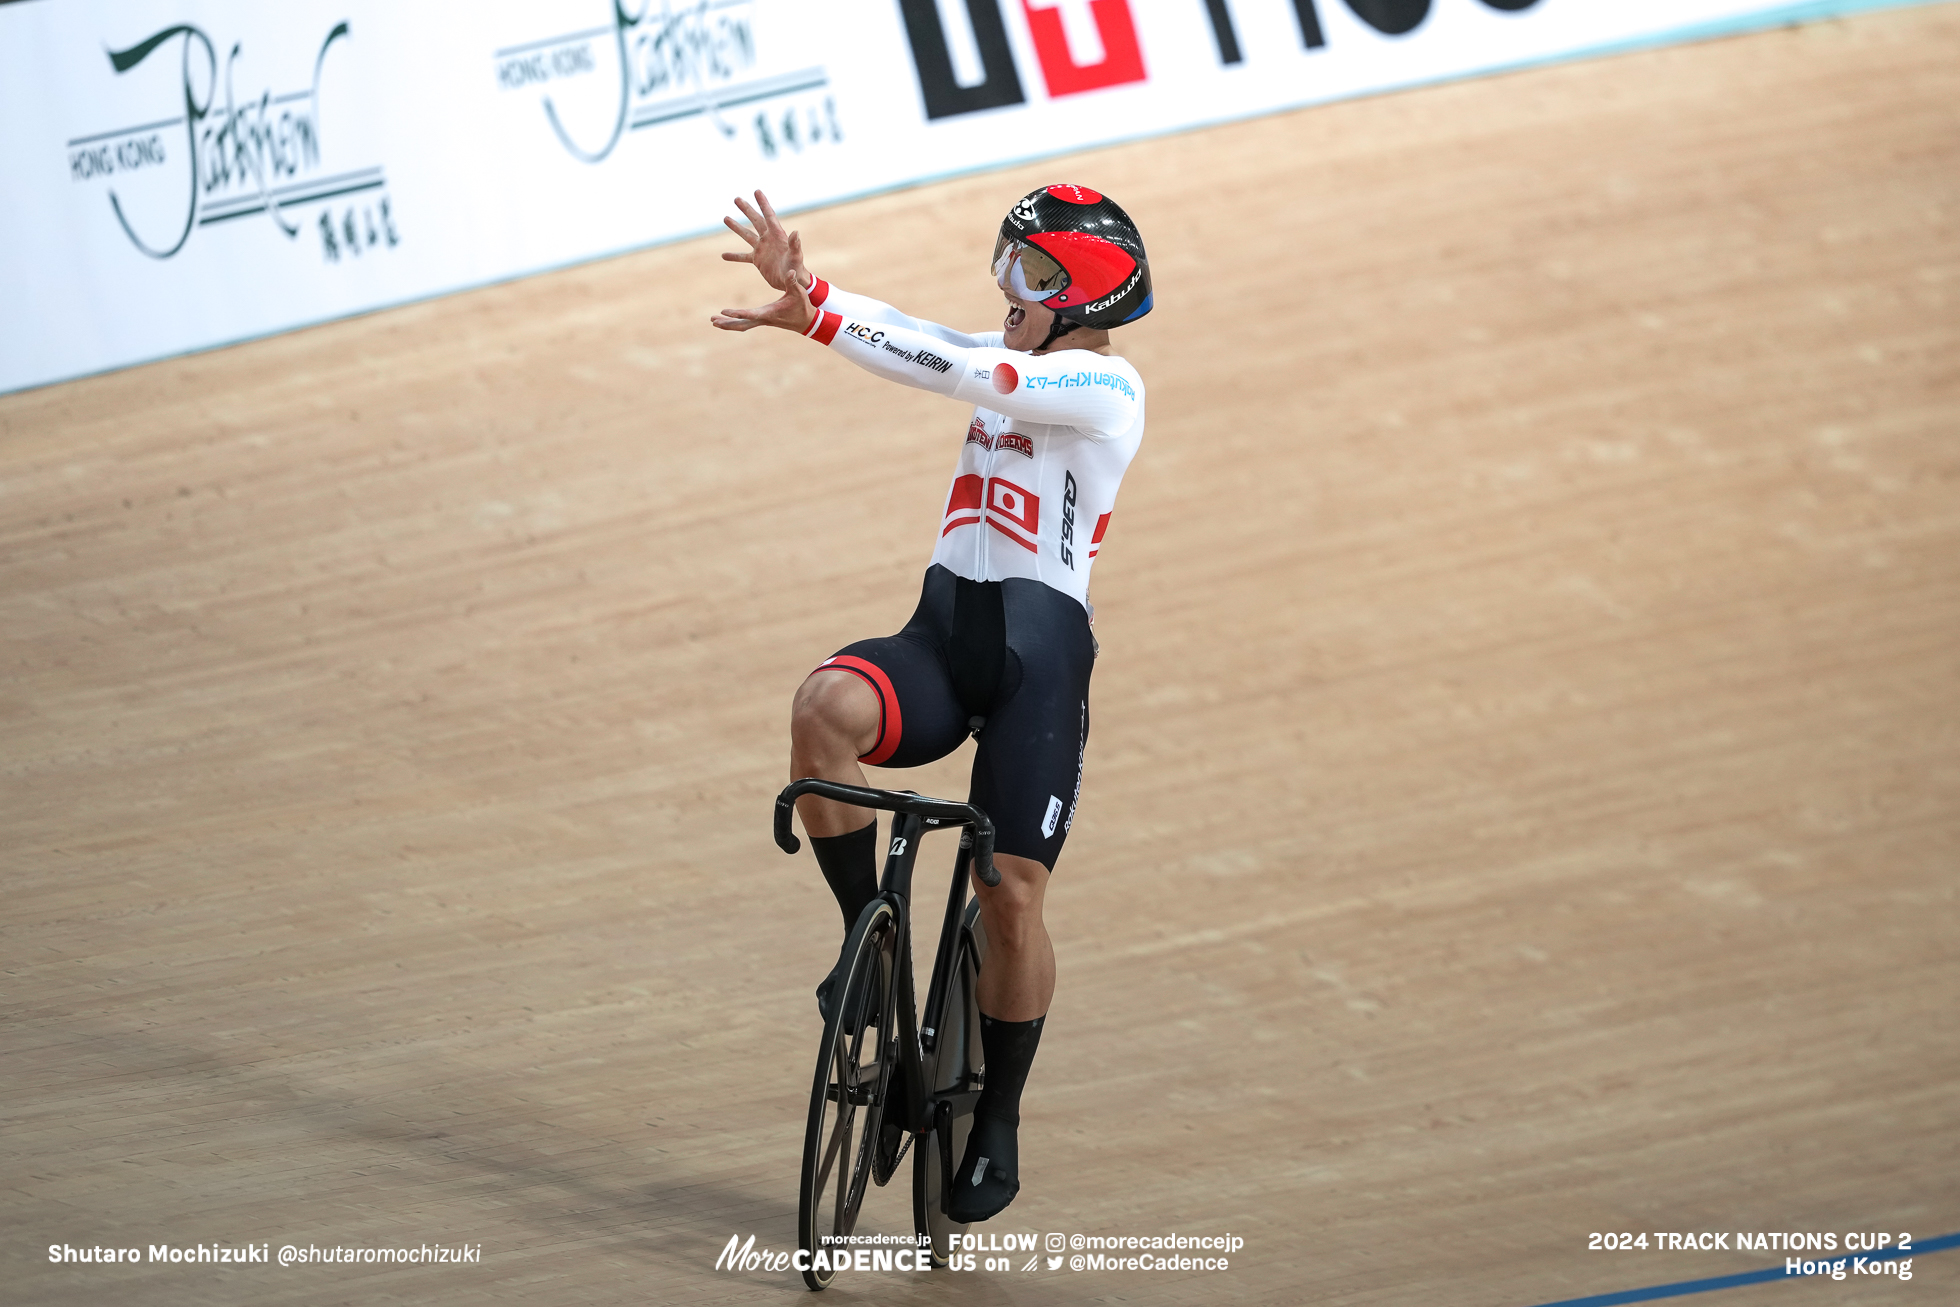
(1076,252)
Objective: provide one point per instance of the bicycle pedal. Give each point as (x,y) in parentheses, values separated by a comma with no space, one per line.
(858,1097)
(859,1094)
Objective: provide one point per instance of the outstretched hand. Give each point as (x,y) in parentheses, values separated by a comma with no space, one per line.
(775,253)
(792,312)
(778,256)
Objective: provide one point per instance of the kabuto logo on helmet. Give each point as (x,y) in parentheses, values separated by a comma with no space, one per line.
(1085,253)
(1127,287)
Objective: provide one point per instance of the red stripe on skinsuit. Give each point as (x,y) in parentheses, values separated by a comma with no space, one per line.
(995,524)
(967,492)
(891,723)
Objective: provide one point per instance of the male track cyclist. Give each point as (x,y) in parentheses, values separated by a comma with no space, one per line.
(999,647)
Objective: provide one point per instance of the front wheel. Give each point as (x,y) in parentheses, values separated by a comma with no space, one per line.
(847,1099)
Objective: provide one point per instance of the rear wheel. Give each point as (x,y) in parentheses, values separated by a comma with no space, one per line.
(847,1098)
(953,1067)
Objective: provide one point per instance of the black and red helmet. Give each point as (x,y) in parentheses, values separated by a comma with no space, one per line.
(1076,252)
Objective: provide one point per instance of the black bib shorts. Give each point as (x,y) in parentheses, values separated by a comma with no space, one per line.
(1009,660)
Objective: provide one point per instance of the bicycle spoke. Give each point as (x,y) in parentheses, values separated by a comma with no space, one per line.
(843,1213)
(845,1111)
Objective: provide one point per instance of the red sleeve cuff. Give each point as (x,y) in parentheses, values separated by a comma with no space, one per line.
(819,289)
(823,327)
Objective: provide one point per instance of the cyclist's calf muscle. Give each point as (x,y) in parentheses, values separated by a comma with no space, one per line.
(1018,980)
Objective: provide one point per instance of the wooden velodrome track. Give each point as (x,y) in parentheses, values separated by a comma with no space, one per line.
(1524,798)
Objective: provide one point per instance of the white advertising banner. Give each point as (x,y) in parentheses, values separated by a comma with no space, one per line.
(186,173)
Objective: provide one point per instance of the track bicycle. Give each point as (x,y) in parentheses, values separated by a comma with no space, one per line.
(888,1078)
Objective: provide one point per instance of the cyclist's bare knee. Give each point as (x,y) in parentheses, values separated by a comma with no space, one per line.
(833,712)
(1013,907)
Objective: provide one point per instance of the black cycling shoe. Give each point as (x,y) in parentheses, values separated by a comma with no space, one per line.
(824,988)
(989,1174)
(863,1017)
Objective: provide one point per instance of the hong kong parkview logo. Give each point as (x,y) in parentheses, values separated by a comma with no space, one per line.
(666,65)
(213,151)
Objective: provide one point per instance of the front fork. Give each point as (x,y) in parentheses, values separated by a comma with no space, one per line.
(908,1102)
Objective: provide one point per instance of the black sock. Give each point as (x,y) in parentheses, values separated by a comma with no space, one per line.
(1009,1049)
(850,867)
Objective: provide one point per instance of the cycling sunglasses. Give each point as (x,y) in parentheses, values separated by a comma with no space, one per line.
(1031,273)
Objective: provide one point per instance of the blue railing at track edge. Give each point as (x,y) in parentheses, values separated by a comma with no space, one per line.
(1683,1288)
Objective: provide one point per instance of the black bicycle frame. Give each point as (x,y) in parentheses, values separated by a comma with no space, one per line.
(913,1105)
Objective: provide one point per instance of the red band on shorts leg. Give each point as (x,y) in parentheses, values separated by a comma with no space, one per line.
(891,723)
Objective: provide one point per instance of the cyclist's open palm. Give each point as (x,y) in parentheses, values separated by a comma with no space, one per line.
(776,254)
(792,312)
